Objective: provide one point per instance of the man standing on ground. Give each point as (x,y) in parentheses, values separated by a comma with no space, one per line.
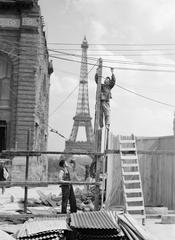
(67,189)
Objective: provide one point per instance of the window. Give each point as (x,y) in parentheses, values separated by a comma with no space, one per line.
(3,135)
(5,76)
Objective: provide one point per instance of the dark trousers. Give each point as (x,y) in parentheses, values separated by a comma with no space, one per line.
(104,113)
(68,195)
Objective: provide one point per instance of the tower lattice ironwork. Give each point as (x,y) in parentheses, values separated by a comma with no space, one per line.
(82,117)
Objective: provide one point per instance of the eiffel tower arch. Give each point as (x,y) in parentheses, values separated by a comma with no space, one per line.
(82,117)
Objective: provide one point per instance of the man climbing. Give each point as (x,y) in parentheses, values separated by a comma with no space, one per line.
(67,189)
(105,98)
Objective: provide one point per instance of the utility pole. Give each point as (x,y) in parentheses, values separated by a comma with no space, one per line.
(98,134)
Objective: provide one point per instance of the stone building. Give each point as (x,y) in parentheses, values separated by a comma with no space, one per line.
(24,77)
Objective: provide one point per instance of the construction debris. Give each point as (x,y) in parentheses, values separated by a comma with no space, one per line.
(43,228)
(5,236)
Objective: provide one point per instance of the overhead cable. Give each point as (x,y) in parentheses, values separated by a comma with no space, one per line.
(148,98)
(118,61)
(118,68)
(115,44)
(115,50)
(64,100)
(53,130)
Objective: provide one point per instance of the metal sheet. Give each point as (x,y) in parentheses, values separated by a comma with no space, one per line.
(94,220)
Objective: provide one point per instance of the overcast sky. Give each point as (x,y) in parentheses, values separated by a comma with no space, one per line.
(114,22)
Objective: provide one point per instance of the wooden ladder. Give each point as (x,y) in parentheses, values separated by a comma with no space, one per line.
(131,180)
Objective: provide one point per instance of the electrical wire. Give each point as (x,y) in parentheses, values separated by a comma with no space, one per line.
(64,100)
(118,68)
(114,44)
(114,50)
(118,61)
(118,85)
(53,130)
(148,98)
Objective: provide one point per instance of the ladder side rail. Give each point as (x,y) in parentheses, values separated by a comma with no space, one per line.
(143,221)
(126,170)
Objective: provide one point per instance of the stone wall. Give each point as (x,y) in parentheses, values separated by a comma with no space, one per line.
(22,40)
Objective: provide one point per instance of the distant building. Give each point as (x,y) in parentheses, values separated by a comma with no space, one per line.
(24,76)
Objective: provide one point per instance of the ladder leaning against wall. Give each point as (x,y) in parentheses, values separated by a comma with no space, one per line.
(131,179)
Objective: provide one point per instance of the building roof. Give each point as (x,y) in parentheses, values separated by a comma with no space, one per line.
(93,220)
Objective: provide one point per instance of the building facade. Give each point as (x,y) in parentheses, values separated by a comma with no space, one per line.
(24,76)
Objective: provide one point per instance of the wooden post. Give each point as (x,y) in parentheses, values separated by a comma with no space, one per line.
(26,172)
(98,133)
(105,164)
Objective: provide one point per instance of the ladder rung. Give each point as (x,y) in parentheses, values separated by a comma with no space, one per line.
(134,199)
(130,173)
(132,181)
(127,141)
(135,208)
(124,157)
(139,216)
(130,165)
(128,149)
(133,190)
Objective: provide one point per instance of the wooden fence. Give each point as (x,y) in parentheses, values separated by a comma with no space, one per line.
(157,168)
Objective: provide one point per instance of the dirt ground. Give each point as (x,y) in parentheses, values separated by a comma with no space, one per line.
(153,226)
(160,231)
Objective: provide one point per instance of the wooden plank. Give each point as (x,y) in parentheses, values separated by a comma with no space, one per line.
(150,152)
(135,208)
(44,183)
(98,133)
(130,165)
(15,153)
(133,190)
(127,141)
(124,157)
(46,199)
(130,173)
(128,149)
(132,181)
(27,216)
(134,199)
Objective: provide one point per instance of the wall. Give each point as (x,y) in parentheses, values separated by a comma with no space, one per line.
(22,39)
(157,172)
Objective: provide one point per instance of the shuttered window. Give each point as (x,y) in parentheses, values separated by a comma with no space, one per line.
(5,77)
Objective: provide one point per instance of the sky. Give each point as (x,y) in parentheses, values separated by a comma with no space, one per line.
(136,34)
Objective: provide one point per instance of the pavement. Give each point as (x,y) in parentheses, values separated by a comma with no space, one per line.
(160,231)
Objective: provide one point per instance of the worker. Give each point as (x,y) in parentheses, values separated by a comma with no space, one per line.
(73,172)
(105,98)
(67,189)
(3,174)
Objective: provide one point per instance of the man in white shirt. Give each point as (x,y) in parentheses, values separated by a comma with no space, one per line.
(67,189)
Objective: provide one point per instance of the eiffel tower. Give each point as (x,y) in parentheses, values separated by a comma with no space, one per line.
(82,117)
